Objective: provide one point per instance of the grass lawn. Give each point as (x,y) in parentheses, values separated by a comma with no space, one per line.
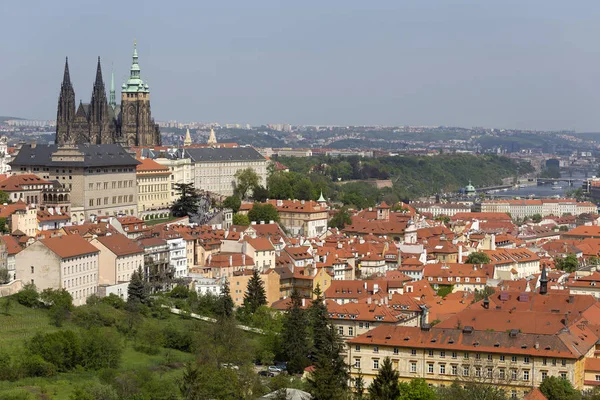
(22,323)
(160,221)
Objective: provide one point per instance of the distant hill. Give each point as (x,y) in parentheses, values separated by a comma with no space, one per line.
(4,119)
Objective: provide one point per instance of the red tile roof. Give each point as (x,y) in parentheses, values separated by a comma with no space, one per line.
(149,165)
(120,245)
(69,246)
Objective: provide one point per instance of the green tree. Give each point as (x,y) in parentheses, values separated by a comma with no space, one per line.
(101,348)
(359,386)
(190,382)
(255,296)
(472,390)
(478,257)
(61,348)
(555,388)
(28,296)
(4,276)
(137,290)
(240,219)
(3,225)
(385,385)
(329,380)
(341,218)
(245,180)
(263,212)
(569,263)
(260,193)
(537,218)
(187,203)
(60,302)
(280,186)
(225,302)
(319,321)
(4,198)
(232,202)
(487,291)
(94,391)
(417,389)
(295,338)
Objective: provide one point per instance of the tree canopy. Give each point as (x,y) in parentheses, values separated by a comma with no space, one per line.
(245,181)
(255,296)
(385,385)
(477,258)
(263,212)
(187,203)
(569,263)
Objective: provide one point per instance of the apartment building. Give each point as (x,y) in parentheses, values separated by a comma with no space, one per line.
(119,258)
(101,178)
(438,209)
(238,284)
(544,207)
(64,262)
(215,167)
(154,189)
(517,361)
(300,217)
(461,277)
(511,264)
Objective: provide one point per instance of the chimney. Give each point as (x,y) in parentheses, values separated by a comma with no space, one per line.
(460,254)
(390,295)
(369,300)
(243,259)
(365,285)
(230,261)
(493,244)
(375,288)
(303,302)
(486,303)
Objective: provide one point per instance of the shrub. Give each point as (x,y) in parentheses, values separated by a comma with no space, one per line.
(114,301)
(34,365)
(62,349)
(101,348)
(28,296)
(149,338)
(95,316)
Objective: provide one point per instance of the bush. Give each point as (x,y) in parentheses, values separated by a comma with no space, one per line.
(28,296)
(101,348)
(62,349)
(180,292)
(94,391)
(149,338)
(95,316)
(34,365)
(177,339)
(114,301)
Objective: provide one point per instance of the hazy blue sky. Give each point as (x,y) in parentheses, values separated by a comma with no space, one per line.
(509,63)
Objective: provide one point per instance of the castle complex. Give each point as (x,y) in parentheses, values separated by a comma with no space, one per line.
(104,121)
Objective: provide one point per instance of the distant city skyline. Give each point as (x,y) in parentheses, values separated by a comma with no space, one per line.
(514,64)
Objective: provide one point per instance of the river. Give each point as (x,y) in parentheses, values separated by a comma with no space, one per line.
(543,191)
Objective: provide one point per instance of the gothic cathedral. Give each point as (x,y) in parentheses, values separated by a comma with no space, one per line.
(102,121)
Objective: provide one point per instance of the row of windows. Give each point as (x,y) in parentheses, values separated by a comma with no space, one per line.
(477,371)
(152,188)
(81,267)
(467,280)
(115,200)
(113,185)
(82,280)
(478,356)
(105,170)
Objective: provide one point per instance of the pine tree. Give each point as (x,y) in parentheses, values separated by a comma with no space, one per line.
(255,296)
(187,203)
(294,336)
(385,384)
(329,380)
(225,302)
(190,382)
(136,291)
(318,318)
(359,386)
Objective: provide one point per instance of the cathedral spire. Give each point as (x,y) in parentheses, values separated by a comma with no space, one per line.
(188,138)
(113,101)
(212,139)
(99,80)
(66,76)
(134,83)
